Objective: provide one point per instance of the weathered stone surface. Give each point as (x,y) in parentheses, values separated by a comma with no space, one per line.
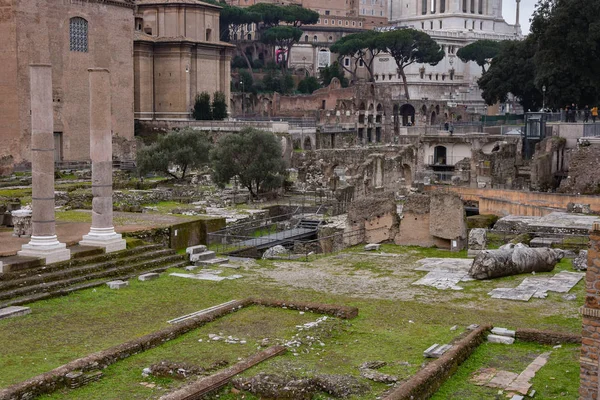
(444,273)
(377,215)
(477,241)
(196,249)
(437,350)
(447,216)
(500,339)
(14,311)
(503,332)
(204,256)
(148,277)
(21,220)
(377,376)
(539,286)
(519,260)
(275,252)
(580,263)
(372,247)
(117,284)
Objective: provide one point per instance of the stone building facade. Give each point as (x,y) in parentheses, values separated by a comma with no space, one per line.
(177,54)
(72,36)
(590,343)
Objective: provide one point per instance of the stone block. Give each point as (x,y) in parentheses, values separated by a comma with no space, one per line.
(580,263)
(477,241)
(117,284)
(500,339)
(148,277)
(437,350)
(205,255)
(372,247)
(196,249)
(14,311)
(212,262)
(503,332)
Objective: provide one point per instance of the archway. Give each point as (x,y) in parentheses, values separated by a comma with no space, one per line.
(439,155)
(407,174)
(433,118)
(407,112)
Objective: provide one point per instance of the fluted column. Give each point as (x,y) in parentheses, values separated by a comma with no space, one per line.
(44,243)
(102,232)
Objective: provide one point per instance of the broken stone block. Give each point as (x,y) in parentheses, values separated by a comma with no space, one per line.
(148,277)
(500,339)
(372,247)
(503,332)
(212,262)
(472,327)
(513,261)
(203,256)
(477,241)
(196,249)
(14,311)
(581,262)
(117,284)
(437,350)
(275,252)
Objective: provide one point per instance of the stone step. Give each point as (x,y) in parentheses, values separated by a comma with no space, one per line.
(14,311)
(209,263)
(82,270)
(19,271)
(204,256)
(503,332)
(196,249)
(112,272)
(437,350)
(17,301)
(500,339)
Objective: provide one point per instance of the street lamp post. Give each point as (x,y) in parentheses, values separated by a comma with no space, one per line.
(243,98)
(543,97)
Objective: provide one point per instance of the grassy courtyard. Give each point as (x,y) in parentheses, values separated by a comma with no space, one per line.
(397,321)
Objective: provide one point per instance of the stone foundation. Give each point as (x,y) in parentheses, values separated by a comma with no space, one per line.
(590,342)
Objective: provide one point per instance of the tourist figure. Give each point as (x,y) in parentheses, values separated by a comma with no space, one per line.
(586,114)
(594,113)
(451,128)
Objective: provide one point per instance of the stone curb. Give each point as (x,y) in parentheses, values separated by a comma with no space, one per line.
(427,381)
(547,337)
(56,379)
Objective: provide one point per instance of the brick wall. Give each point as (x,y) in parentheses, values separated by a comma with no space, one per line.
(590,343)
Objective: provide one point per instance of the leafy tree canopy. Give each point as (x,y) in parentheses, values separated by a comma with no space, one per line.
(481,52)
(254,156)
(202,108)
(298,15)
(219,106)
(512,71)
(282,36)
(332,71)
(308,85)
(180,150)
(363,46)
(409,46)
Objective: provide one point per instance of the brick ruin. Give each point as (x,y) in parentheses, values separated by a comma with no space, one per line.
(590,347)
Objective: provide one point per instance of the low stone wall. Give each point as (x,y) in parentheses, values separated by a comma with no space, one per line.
(60,377)
(514,202)
(547,337)
(428,380)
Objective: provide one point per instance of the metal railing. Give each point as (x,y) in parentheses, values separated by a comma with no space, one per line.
(591,130)
(563,241)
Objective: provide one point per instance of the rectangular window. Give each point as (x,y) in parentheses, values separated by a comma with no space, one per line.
(78,35)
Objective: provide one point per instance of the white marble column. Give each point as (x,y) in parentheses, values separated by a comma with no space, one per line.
(43,243)
(102,233)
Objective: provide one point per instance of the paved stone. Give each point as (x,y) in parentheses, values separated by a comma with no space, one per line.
(500,339)
(517,397)
(444,273)
(196,249)
(538,287)
(372,247)
(483,376)
(206,277)
(521,383)
(117,284)
(148,277)
(502,379)
(503,332)
(212,262)
(14,311)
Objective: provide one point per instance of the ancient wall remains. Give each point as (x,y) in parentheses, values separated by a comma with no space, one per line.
(589,388)
(376,215)
(582,163)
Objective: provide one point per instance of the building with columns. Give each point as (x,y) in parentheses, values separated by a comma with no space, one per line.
(453,24)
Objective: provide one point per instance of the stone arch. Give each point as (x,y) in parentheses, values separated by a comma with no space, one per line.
(371,107)
(437,109)
(424,109)
(379,108)
(407,112)
(362,106)
(433,118)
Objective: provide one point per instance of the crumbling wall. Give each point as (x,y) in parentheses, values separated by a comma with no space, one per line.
(583,166)
(447,216)
(548,153)
(376,215)
(6,165)
(496,169)
(414,225)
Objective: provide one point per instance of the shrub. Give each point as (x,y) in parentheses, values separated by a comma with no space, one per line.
(202,109)
(219,106)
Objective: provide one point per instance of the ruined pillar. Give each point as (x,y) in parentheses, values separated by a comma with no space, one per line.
(43,243)
(102,233)
(590,337)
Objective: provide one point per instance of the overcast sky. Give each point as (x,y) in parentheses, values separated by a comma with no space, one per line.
(509,8)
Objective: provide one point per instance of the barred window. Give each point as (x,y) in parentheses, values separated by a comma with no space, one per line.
(78,33)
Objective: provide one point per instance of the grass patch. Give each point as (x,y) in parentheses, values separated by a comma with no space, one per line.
(559,378)
(73,216)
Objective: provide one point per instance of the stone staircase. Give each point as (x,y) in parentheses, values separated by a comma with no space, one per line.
(30,280)
(308,224)
(200,256)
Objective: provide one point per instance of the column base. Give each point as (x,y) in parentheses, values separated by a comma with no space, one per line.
(46,247)
(110,241)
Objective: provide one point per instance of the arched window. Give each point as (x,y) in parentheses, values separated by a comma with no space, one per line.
(306,38)
(78,34)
